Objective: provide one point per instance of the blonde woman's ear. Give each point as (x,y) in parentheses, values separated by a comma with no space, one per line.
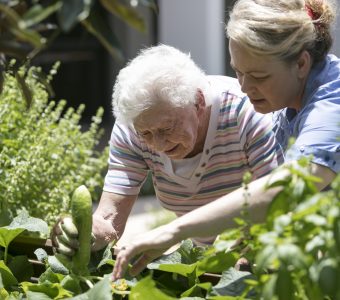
(304,64)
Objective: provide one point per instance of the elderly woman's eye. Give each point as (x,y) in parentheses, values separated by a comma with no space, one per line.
(165,130)
(144,134)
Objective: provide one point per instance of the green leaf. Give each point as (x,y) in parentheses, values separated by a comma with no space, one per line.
(146,289)
(24,221)
(278,206)
(183,261)
(8,279)
(73,11)
(52,290)
(57,266)
(71,283)
(336,232)
(7,235)
(127,14)
(218,263)
(21,268)
(107,255)
(291,255)
(38,13)
(99,26)
(284,285)
(196,290)
(101,290)
(231,283)
(37,296)
(41,255)
(50,276)
(265,258)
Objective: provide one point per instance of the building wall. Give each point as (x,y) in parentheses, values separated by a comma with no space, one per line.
(195,26)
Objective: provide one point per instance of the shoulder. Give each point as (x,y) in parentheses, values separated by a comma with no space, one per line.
(226,84)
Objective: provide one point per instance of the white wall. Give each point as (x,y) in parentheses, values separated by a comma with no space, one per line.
(195,26)
(336,35)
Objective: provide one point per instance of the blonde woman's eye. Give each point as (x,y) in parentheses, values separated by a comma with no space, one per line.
(260,78)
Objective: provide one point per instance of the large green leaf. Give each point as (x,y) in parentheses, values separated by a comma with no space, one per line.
(146,289)
(231,283)
(24,221)
(7,235)
(126,13)
(217,263)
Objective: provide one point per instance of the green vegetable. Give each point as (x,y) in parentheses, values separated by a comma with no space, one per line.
(81,207)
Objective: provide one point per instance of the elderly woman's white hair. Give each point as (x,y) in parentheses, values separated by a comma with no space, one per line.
(159,73)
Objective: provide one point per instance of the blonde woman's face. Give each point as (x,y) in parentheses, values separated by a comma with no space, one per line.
(269,83)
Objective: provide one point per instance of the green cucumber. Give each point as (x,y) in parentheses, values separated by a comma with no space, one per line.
(81,208)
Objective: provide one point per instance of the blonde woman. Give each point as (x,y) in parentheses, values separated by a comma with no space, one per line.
(279,51)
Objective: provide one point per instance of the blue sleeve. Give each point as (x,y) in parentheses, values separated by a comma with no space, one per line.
(318,134)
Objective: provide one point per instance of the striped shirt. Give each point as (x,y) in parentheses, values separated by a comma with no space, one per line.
(238,140)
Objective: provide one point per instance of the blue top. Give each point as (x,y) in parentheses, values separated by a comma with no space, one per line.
(316,127)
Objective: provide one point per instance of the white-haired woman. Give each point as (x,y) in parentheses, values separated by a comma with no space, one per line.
(196,134)
(279,50)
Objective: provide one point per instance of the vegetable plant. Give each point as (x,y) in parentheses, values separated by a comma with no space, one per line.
(294,254)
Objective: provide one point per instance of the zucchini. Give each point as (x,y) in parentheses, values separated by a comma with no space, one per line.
(81,208)
(78,225)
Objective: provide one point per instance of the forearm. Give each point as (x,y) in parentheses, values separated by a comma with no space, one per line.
(219,215)
(110,217)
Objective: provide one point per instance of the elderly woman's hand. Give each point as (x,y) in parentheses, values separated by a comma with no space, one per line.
(148,246)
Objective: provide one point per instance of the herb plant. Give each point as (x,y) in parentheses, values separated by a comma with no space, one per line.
(44,151)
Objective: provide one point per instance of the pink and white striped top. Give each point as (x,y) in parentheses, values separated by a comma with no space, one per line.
(238,140)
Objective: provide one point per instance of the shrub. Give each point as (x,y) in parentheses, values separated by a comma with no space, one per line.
(44,151)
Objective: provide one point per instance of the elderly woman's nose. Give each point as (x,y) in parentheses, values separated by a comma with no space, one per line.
(158,141)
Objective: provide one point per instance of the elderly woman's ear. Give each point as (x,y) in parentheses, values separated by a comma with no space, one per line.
(200,100)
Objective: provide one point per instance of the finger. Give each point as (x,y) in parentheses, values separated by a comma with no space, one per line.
(68,241)
(68,227)
(121,264)
(140,264)
(55,232)
(64,249)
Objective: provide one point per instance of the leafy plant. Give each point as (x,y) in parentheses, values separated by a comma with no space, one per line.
(294,254)
(44,152)
(27,27)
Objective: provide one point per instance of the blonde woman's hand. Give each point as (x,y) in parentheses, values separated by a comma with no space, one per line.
(146,247)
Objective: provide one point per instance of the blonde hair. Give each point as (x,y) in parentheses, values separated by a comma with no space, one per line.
(283,28)
(160,73)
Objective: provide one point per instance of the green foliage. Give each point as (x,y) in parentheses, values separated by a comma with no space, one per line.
(28,27)
(295,256)
(44,152)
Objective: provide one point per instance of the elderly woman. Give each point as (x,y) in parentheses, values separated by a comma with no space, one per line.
(279,51)
(197,135)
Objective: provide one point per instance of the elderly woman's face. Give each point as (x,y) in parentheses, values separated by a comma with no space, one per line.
(269,83)
(171,130)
